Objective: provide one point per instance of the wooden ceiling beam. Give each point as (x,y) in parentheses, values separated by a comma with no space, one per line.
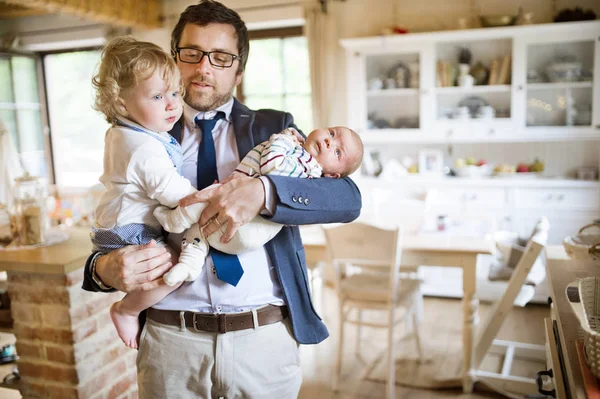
(145,14)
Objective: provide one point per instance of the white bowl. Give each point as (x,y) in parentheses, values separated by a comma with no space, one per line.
(473,171)
(564,71)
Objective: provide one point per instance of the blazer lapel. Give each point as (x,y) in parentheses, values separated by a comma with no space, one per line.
(243,119)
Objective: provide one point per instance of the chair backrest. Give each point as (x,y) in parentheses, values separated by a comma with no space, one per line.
(365,246)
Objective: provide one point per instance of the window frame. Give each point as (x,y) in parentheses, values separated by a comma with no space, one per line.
(42,105)
(276,33)
(42,61)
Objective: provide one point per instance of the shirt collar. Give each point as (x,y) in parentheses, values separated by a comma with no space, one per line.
(123,121)
(190,114)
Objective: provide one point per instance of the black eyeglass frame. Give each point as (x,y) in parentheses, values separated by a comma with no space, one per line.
(208,54)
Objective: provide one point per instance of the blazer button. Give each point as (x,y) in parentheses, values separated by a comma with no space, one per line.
(301,200)
(306,201)
(294,199)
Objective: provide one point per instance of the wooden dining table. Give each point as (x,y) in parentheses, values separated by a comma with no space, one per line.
(424,250)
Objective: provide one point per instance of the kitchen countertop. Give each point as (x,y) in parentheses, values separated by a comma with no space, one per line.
(561,271)
(418,180)
(54,259)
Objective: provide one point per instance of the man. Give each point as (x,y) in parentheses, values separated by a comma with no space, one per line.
(211,338)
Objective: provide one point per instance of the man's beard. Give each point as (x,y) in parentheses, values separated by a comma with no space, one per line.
(204,102)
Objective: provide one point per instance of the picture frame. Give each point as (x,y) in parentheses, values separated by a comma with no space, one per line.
(431,162)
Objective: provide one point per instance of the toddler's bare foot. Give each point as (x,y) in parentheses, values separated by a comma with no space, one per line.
(128,325)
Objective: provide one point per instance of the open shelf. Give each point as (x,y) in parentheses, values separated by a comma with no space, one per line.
(473,90)
(392,92)
(559,85)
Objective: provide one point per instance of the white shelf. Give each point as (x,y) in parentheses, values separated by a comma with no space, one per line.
(391,136)
(537,134)
(559,85)
(392,92)
(473,90)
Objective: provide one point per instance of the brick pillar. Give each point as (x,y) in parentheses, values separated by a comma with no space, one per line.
(66,342)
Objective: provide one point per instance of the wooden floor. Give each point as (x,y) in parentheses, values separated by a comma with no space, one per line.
(523,324)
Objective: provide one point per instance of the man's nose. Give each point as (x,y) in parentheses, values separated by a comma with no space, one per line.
(204,64)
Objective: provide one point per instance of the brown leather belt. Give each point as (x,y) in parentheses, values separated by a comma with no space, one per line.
(220,322)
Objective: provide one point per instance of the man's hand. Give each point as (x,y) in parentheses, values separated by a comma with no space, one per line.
(232,204)
(135,267)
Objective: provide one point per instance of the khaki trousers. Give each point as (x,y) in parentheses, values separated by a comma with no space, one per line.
(253,363)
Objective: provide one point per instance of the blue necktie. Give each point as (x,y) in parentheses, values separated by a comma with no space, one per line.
(227,266)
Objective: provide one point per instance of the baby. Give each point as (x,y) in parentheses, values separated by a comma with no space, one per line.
(331,152)
(138,88)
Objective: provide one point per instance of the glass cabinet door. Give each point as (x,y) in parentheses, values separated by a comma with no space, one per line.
(392,82)
(559,87)
(473,86)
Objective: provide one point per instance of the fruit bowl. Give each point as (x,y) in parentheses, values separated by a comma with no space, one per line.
(473,171)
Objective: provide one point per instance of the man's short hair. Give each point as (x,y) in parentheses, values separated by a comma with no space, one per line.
(212,12)
(125,62)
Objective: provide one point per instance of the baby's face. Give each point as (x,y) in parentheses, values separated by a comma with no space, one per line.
(153,104)
(334,148)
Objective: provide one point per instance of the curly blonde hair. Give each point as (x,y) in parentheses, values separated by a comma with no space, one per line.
(125,62)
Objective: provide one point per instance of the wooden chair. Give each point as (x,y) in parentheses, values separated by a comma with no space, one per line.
(487,342)
(367,277)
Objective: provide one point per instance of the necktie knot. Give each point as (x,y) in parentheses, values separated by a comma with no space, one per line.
(207,125)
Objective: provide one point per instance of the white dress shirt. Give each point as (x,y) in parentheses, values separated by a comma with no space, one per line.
(259,285)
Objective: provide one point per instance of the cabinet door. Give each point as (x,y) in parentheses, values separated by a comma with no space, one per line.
(387,92)
(557,83)
(473,93)
(562,223)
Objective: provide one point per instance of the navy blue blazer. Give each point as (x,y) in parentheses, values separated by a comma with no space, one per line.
(325,200)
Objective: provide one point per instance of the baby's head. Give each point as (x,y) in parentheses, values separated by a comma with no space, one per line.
(339,150)
(139,81)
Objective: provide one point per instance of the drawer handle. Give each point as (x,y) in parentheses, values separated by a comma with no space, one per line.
(549,197)
(540,382)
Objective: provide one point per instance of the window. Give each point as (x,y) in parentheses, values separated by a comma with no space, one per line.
(77,129)
(21,110)
(277,74)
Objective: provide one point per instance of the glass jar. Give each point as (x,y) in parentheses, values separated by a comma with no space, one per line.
(30,210)
(6,234)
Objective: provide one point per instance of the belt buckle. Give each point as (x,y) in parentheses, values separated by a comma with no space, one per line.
(195,321)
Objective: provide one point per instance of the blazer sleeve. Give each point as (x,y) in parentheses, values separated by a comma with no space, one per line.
(88,282)
(312,201)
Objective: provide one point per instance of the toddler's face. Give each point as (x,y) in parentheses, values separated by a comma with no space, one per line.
(153,104)
(334,148)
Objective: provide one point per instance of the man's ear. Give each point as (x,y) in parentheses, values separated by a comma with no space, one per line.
(335,175)
(238,78)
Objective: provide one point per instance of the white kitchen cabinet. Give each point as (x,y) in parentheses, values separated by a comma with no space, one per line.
(556,80)
(502,204)
(387,97)
(526,110)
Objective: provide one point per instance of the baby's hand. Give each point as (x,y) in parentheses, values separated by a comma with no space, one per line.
(294,135)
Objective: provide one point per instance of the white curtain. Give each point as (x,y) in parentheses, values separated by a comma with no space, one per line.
(326,63)
(10,165)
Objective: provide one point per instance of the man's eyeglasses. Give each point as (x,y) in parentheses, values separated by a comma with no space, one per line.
(218,59)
